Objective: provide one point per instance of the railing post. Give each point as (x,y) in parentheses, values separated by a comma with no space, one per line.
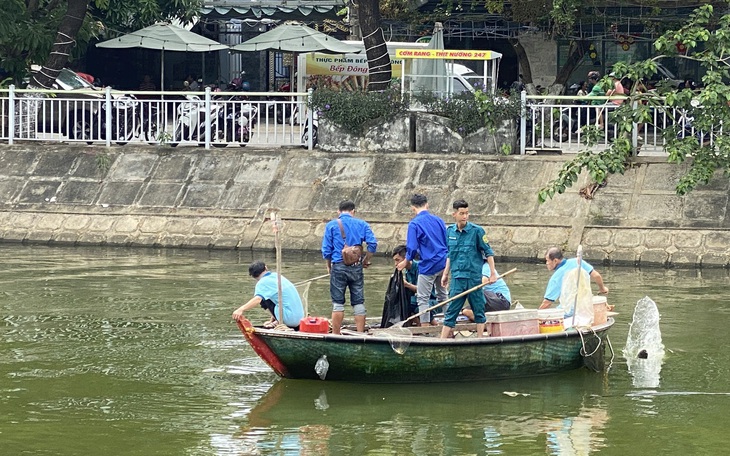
(11,114)
(310,120)
(634,131)
(208,118)
(523,121)
(108,117)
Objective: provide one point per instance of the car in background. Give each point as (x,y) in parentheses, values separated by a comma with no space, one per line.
(77,109)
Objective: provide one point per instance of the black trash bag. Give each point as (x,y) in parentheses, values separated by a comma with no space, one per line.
(396,305)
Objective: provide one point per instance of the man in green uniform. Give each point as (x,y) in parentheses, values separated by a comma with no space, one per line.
(468,247)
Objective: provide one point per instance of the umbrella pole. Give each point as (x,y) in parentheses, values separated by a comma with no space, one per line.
(162,70)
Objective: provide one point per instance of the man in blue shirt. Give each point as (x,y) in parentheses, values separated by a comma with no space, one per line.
(357,232)
(468,247)
(266,294)
(555,262)
(426,237)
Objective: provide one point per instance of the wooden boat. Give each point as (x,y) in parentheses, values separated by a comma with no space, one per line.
(385,357)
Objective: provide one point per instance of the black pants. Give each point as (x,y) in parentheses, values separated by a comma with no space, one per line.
(496,301)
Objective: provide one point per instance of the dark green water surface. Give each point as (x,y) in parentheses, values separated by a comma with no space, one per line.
(133,352)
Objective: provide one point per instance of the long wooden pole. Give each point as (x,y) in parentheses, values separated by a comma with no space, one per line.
(463,293)
(277,244)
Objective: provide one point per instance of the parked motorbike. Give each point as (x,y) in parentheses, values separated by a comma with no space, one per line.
(283,110)
(570,119)
(239,119)
(191,119)
(88,120)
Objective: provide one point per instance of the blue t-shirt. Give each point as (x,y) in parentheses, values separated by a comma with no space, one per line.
(266,288)
(555,284)
(500,286)
(427,236)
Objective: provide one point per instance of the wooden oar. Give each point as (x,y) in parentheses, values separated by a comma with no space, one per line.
(277,244)
(304,282)
(453,298)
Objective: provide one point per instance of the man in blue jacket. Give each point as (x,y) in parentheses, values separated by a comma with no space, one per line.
(357,232)
(426,237)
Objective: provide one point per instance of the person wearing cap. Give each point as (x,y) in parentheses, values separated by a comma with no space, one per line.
(595,90)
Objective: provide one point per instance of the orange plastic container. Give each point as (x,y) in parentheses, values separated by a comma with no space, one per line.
(314,325)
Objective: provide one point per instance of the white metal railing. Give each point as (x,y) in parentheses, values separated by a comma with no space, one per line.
(221,119)
(558,123)
(206,118)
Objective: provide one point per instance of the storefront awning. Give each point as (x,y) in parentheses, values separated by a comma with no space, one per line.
(301,10)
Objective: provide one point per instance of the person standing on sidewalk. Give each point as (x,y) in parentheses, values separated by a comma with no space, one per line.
(426,237)
(342,276)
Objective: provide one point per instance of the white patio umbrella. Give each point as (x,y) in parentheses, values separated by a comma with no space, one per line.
(296,38)
(163,37)
(432,71)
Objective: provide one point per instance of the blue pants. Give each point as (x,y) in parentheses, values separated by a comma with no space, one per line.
(476,298)
(343,277)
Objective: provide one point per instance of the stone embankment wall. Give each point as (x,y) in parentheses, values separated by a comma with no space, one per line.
(189,197)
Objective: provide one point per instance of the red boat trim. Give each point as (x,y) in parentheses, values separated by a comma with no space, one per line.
(261,349)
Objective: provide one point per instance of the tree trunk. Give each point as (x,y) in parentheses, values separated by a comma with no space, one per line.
(578,50)
(377,52)
(63,45)
(523,60)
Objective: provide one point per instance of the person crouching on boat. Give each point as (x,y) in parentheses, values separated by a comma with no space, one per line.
(266,295)
(410,282)
(468,247)
(561,266)
(497,295)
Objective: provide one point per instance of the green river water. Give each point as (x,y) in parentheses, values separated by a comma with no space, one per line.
(133,352)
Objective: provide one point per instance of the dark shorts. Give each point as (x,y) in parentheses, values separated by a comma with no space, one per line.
(495,301)
(343,277)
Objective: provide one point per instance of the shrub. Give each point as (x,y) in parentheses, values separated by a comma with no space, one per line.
(352,110)
(467,112)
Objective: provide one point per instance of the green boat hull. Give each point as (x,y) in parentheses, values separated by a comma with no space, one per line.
(371,359)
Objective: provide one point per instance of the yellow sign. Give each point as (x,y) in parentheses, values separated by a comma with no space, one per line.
(445,54)
(344,65)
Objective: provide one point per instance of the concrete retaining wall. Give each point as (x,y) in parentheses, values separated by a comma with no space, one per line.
(189,197)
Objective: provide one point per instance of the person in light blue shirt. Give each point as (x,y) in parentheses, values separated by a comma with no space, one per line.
(555,262)
(266,295)
(342,276)
(426,237)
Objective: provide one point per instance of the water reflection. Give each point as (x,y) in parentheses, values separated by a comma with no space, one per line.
(563,417)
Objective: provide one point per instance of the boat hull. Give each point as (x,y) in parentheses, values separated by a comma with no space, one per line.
(373,359)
